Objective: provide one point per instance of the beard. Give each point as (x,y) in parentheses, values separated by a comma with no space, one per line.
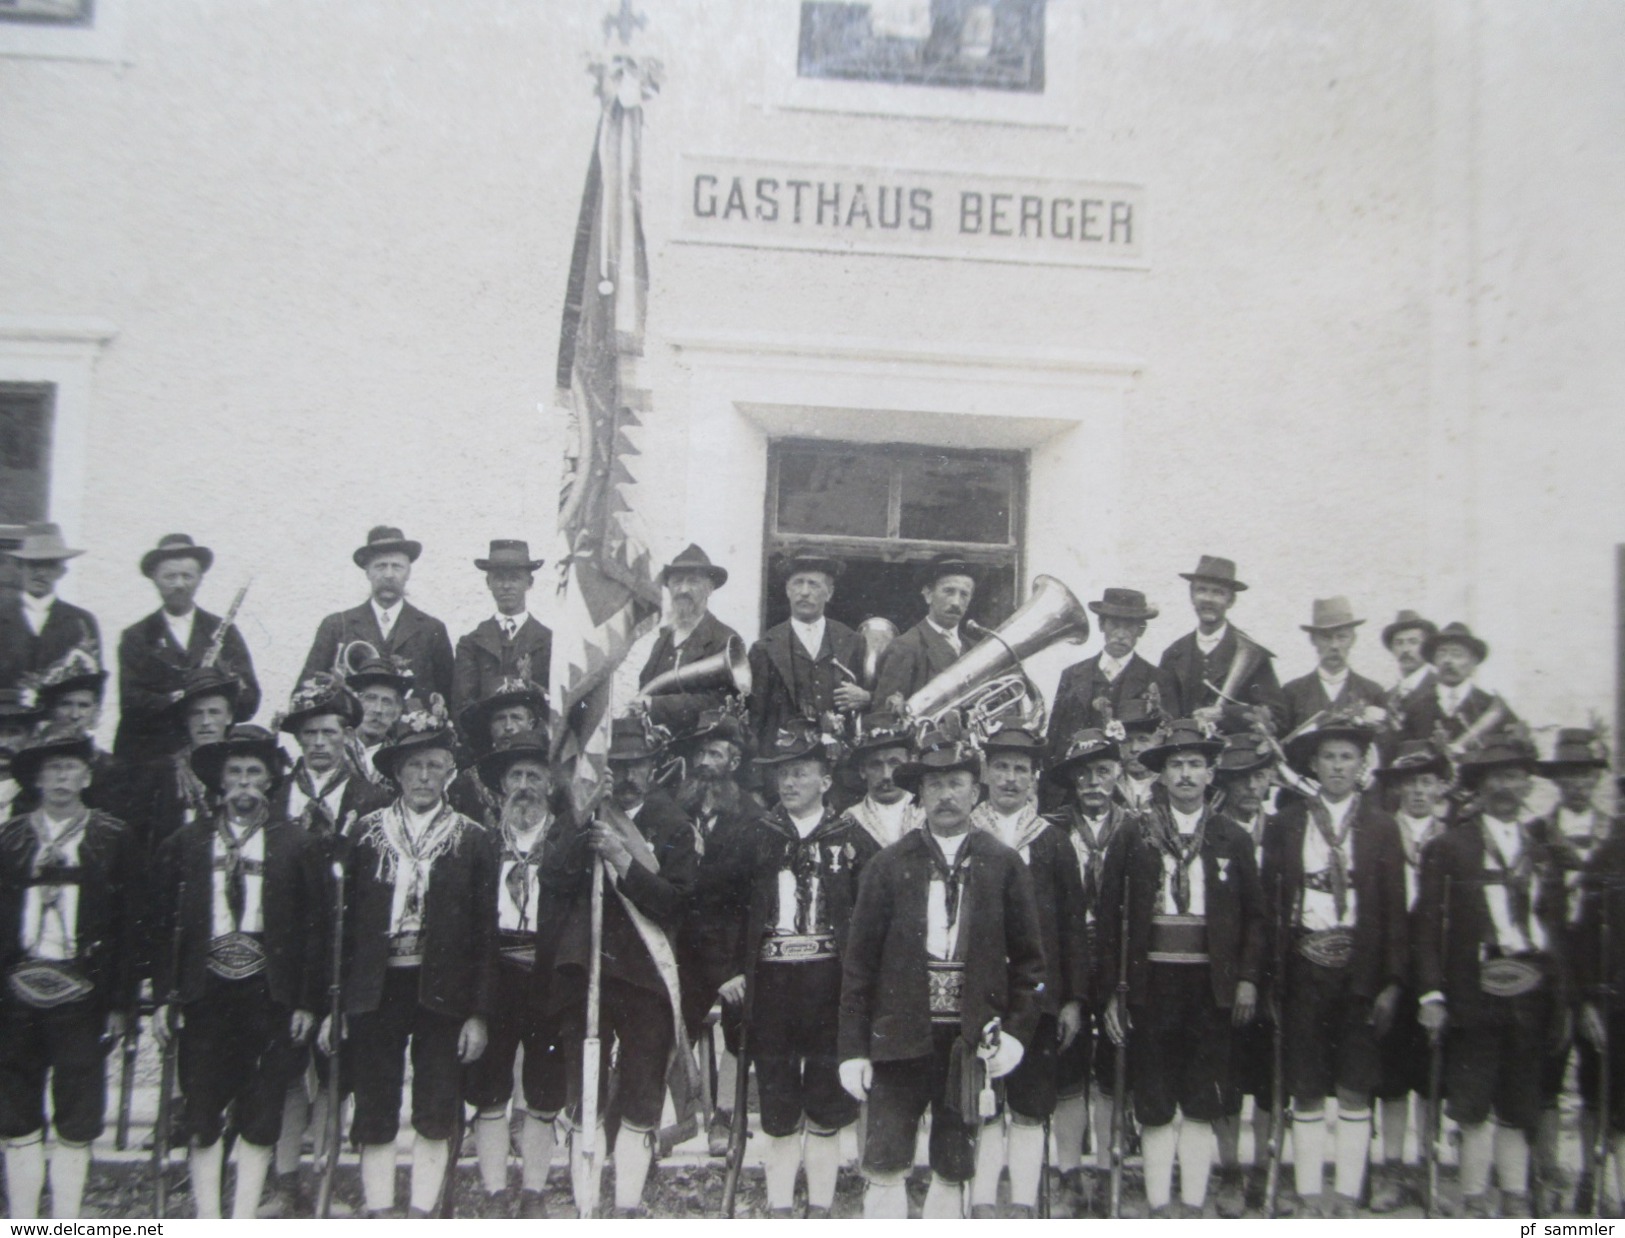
(523,811)
(704,791)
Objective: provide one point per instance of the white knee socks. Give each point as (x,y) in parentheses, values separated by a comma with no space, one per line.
(378,1176)
(429,1157)
(1477,1145)
(1353,1147)
(536,1151)
(1158,1144)
(253,1163)
(1391,1116)
(1511,1159)
(885,1201)
(823,1161)
(944,1201)
(1026,1162)
(990,1151)
(1196,1147)
(1309,1145)
(632,1156)
(491,1149)
(70,1166)
(781,1158)
(1070,1121)
(25,1175)
(290,1144)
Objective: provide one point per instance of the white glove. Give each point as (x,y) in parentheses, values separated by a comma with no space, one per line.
(857,1074)
(1005,1058)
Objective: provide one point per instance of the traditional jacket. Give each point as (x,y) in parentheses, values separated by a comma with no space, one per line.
(418,639)
(1186,671)
(1599,939)
(1376,880)
(359,798)
(788,684)
(485,658)
(1084,683)
(1423,715)
(1306,696)
(713,927)
(914,659)
(885,982)
(469,795)
(22,651)
(110,875)
(680,709)
(1088,850)
(151,666)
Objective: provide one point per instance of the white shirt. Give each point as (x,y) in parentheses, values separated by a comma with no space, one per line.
(1009,827)
(806,825)
(1413,681)
(53,934)
(1579,827)
(37,610)
(1319,907)
(417,824)
(219,908)
(386,616)
(1332,684)
(1207,644)
(1137,791)
(1185,823)
(297,799)
(1412,830)
(517,621)
(9,790)
(951,635)
(508,914)
(180,627)
(1450,699)
(941,938)
(1111,667)
(1508,935)
(811,635)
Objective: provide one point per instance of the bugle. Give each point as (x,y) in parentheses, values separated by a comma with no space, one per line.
(351,657)
(728,669)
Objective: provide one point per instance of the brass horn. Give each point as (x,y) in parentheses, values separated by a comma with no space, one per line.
(351,657)
(1250,655)
(989,681)
(876,633)
(1474,736)
(728,669)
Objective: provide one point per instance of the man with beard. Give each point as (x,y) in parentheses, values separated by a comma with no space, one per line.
(1332,685)
(511,644)
(158,655)
(419,964)
(931,646)
(1195,955)
(1495,981)
(1404,639)
(382,687)
(1456,702)
(1142,720)
(803,867)
(69,924)
(1196,665)
(942,973)
(250,969)
(1093,692)
(514,707)
(18,718)
(1334,875)
(517,770)
(1010,814)
(804,667)
(646,847)
(691,633)
(39,627)
(887,811)
(399,631)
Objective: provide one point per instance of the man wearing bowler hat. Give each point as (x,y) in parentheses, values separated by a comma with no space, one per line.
(691,633)
(1194,668)
(1092,692)
(511,644)
(1332,685)
(39,627)
(1456,702)
(807,665)
(386,620)
(931,646)
(156,654)
(1404,638)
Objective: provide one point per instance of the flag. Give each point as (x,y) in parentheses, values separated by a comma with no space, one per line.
(608,592)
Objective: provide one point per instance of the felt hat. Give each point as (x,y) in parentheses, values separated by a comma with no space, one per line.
(386,539)
(629,740)
(1301,749)
(1243,753)
(77,670)
(1140,714)
(941,755)
(1084,748)
(812,561)
(1415,756)
(1217,571)
(418,731)
(243,740)
(719,723)
(1185,735)
(1124,604)
(508,552)
(19,708)
(1331,615)
(1502,750)
(25,765)
(320,695)
(800,740)
(383,671)
(475,720)
(1577,748)
(946,564)
(522,745)
(1014,739)
(201,682)
(176,546)
(42,543)
(1455,634)
(880,729)
(693,559)
(1405,621)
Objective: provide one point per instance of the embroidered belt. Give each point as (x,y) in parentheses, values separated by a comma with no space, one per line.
(1178,939)
(1510,977)
(1331,947)
(45,983)
(798,947)
(405,949)
(236,956)
(946,990)
(518,947)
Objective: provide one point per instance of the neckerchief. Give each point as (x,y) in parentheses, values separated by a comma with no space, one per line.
(1336,876)
(317,817)
(878,827)
(952,876)
(1515,877)
(1028,824)
(518,878)
(1092,852)
(1413,847)
(801,858)
(51,853)
(389,836)
(233,864)
(1168,840)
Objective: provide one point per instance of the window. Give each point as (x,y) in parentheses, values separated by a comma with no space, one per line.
(884,510)
(48,12)
(987,44)
(25,452)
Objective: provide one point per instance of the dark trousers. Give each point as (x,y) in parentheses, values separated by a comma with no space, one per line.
(1405,1053)
(1494,1065)
(640,1022)
(898,1098)
(1031,1088)
(234,1050)
(374,1061)
(1179,1047)
(795,1008)
(488,1081)
(65,1042)
(1330,1043)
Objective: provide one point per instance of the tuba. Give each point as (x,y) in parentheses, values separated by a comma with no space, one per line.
(989,682)
(1482,728)
(351,657)
(728,670)
(1250,655)
(876,633)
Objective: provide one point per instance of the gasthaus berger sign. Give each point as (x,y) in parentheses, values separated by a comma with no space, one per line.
(783,205)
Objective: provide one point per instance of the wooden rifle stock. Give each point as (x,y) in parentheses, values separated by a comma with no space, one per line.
(1436,1077)
(1120,1057)
(126,1084)
(161,1130)
(1599,1149)
(1272,1177)
(739,1127)
(335,1012)
(217,642)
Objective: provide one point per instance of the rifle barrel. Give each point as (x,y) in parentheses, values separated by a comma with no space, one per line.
(335,1012)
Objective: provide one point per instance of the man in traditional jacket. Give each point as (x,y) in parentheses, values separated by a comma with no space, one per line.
(1493,969)
(881,748)
(419,964)
(399,631)
(1093,692)
(513,707)
(1334,879)
(512,643)
(1195,667)
(940,989)
(70,893)
(808,665)
(38,627)
(1332,685)
(691,633)
(1195,954)
(931,646)
(243,888)
(1010,813)
(1456,702)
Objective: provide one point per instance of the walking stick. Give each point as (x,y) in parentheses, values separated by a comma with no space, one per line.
(590,1049)
(1599,1148)
(1436,1077)
(739,1128)
(1272,1174)
(1120,1059)
(1043,1176)
(335,1012)
(166,1076)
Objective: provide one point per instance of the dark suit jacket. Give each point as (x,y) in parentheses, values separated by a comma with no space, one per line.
(914,659)
(290,897)
(708,941)
(1058,896)
(417,638)
(111,890)
(885,1004)
(772,660)
(21,651)
(1075,695)
(1422,713)
(1306,697)
(1599,973)
(151,666)
(1184,669)
(485,658)
(680,710)
(1381,919)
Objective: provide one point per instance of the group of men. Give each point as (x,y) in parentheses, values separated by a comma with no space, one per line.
(1048,938)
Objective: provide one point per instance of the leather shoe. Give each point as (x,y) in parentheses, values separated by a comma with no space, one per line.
(532,1206)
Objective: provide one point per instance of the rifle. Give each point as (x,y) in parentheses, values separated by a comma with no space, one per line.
(126,1080)
(739,1128)
(1436,1078)
(446,1206)
(1043,1177)
(335,1008)
(1120,1059)
(217,642)
(590,1049)
(1599,1149)
(166,1076)
(1272,1176)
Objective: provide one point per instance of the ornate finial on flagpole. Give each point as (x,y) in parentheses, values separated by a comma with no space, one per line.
(625,23)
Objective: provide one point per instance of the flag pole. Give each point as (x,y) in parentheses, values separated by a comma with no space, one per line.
(590,1048)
